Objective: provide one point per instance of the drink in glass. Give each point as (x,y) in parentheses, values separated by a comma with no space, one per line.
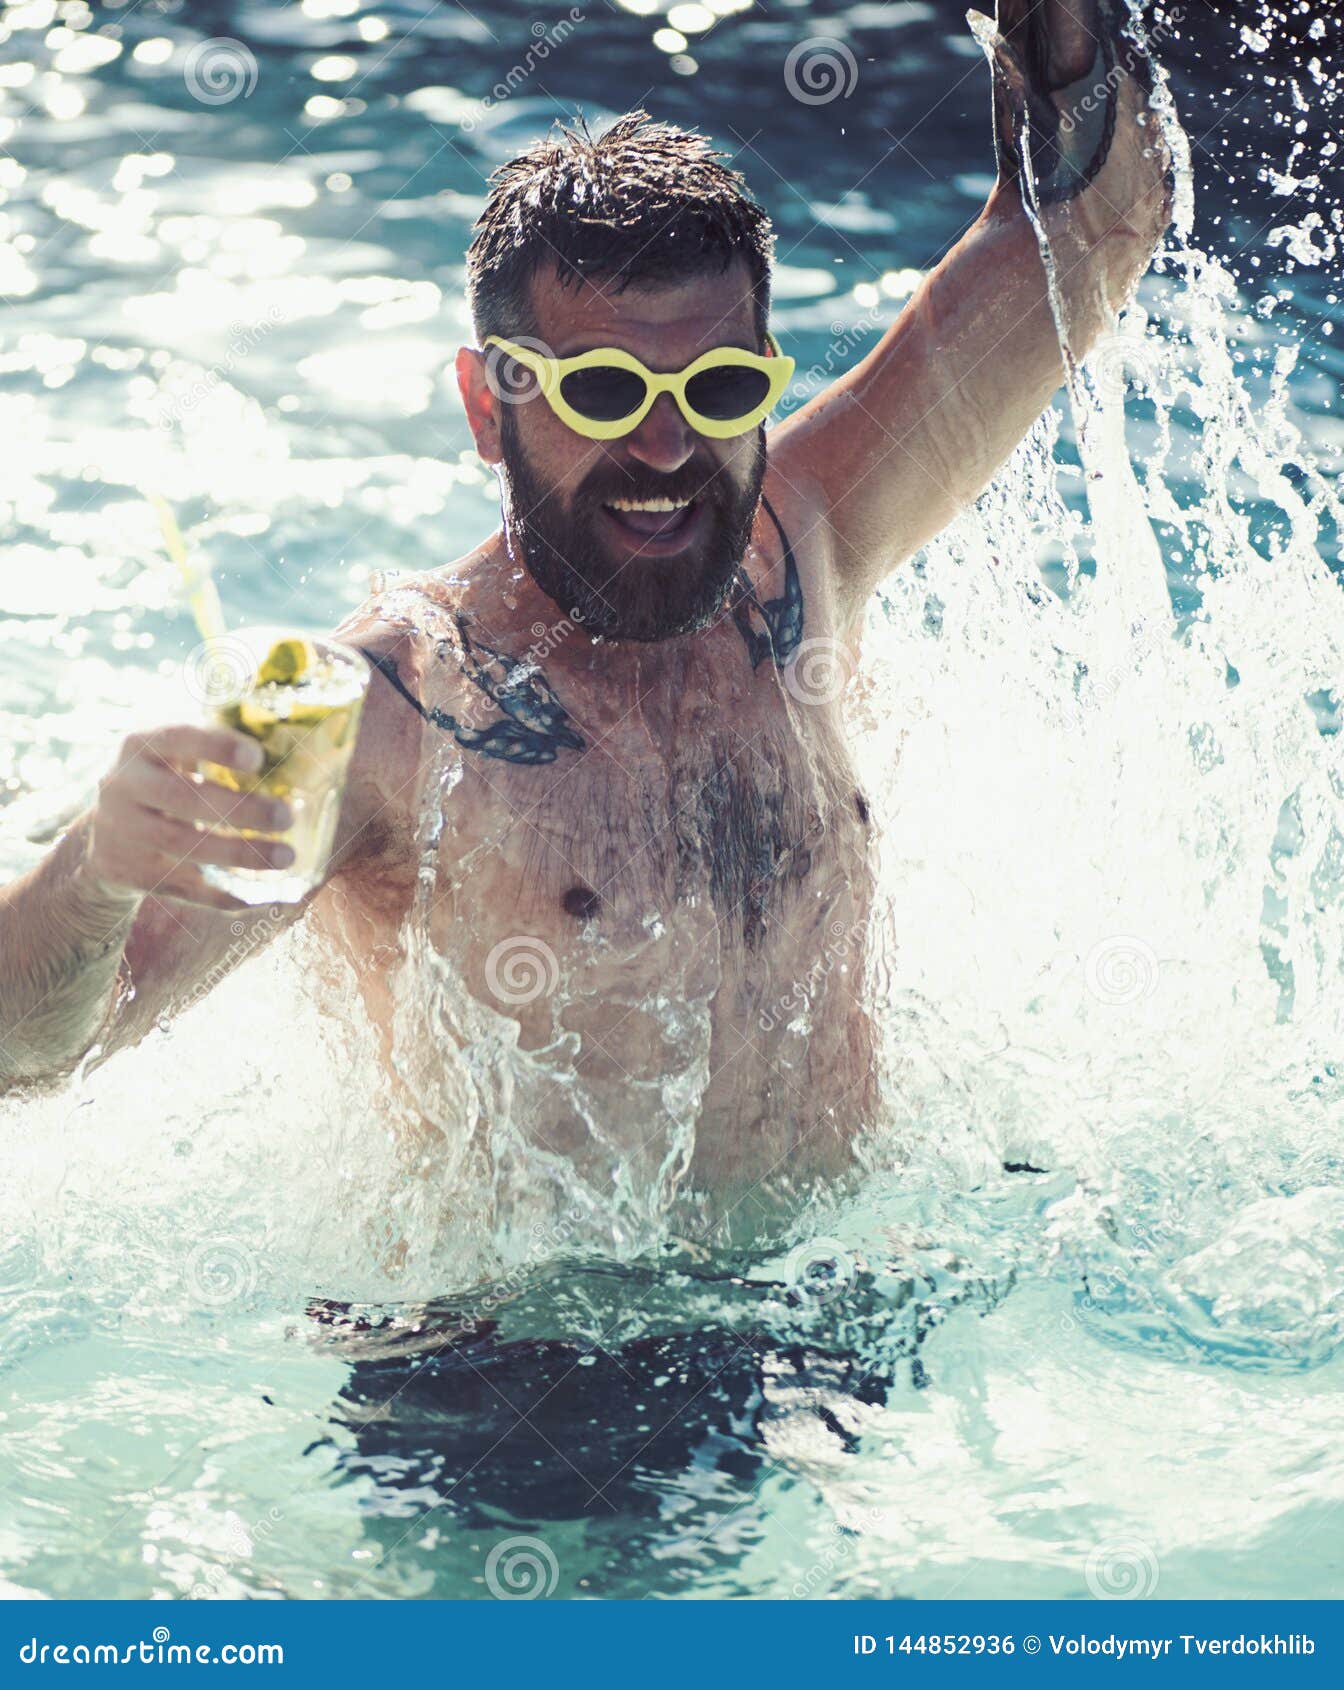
(300,697)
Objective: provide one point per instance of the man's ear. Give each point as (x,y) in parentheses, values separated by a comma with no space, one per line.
(480,402)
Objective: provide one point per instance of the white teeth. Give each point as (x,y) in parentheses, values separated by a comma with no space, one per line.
(649,504)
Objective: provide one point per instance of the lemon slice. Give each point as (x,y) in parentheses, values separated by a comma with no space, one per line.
(255,718)
(286,661)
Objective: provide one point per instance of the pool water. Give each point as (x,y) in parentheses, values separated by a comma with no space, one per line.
(1077,1329)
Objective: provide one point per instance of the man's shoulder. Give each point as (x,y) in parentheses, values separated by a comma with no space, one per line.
(404,616)
(418,632)
(401,630)
(413,631)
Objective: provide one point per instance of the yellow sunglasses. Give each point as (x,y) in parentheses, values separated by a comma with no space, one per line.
(607,393)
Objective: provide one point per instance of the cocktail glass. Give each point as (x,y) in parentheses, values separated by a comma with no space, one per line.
(300,697)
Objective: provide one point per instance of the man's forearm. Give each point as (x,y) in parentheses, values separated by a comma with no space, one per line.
(61,940)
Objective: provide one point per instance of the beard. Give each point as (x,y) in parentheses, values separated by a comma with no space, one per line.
(623,595)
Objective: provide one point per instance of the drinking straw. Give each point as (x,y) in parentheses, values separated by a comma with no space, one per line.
(202,597)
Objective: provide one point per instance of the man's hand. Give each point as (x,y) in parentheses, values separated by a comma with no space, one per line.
(95,912)
(156,822)
(1058,66)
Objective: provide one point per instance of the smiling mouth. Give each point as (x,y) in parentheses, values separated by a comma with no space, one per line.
(654,524)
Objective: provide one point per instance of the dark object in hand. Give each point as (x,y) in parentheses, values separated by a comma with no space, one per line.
(1058,66)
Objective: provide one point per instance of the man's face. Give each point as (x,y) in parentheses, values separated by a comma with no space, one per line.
(643,535)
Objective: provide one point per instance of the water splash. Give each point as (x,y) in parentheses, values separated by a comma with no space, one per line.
(1118,939)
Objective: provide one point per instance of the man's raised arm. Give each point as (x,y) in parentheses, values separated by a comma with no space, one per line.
(915,432)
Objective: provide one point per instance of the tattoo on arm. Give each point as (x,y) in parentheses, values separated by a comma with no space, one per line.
(534,727)
(1070,153)
(783,617)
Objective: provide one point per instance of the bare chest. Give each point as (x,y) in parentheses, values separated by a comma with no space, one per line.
(736,833)
(666,924)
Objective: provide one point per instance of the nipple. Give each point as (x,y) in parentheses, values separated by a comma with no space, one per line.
(581,902)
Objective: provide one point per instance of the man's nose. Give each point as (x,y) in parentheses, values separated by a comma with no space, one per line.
(664,440)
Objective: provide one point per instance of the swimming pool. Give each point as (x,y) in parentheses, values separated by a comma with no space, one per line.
(1077,1330)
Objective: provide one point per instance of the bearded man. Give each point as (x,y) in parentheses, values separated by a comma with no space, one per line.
(647,869)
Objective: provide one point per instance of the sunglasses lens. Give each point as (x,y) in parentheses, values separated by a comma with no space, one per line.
(734,390)
(604,393)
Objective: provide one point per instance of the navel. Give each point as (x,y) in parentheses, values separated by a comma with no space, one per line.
(581,902)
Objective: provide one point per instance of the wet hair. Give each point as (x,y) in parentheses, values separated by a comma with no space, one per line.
(641,204)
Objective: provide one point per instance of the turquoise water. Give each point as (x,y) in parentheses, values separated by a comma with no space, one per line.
(1112,867)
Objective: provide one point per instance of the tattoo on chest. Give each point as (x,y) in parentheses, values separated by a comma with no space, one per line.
(782,617)
(534,726)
